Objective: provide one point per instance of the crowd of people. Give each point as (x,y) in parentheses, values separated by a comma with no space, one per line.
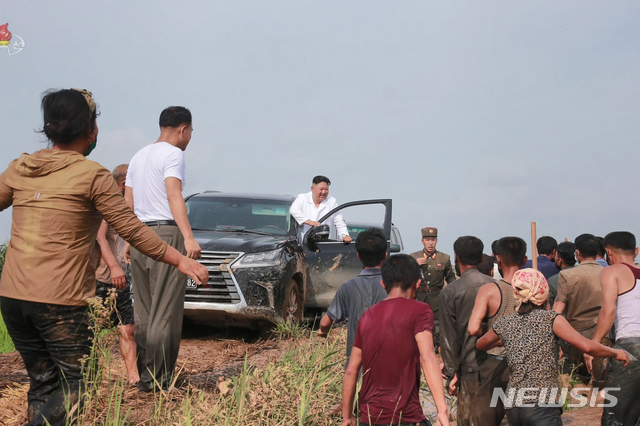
(501,340)
(480,327)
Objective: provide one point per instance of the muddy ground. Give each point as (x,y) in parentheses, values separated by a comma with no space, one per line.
(205,356)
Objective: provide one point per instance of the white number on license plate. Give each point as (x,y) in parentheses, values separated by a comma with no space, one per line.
(191,284)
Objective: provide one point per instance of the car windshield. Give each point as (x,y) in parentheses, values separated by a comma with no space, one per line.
(240,215)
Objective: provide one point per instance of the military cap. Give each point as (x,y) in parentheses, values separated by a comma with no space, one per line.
(429,232)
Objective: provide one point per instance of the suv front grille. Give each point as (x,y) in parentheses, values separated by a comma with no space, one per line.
(221,287)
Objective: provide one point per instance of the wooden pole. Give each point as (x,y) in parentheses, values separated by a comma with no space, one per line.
(534,239)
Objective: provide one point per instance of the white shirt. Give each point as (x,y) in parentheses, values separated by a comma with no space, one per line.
(147,171)
(303,209)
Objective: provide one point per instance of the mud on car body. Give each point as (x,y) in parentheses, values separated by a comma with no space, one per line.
(261,267)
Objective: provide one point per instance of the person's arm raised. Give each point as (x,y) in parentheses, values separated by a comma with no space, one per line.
(563,330)
(179,213)
(432,374)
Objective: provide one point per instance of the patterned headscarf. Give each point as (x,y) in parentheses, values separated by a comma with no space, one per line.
(529,285)
(89,98)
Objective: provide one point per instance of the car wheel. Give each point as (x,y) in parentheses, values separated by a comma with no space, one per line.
(292,309)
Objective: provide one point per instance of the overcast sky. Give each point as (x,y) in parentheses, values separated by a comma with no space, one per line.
(474,117)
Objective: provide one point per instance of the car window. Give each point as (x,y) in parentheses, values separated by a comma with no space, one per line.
(212,214)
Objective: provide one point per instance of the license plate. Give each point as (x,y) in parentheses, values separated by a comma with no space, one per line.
(191,284)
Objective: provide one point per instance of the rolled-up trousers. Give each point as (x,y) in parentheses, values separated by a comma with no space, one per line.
(158,291)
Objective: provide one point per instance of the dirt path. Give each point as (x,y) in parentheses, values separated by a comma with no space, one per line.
(205,357)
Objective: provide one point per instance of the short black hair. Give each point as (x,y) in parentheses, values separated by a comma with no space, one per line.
(175,116)
(601,250)
(486,266)
(400,270)
(494,248)
(546,245)
(469,250)
(67,116)
(317,179)
(587,245)
(512,251)
(567,252)
(621,240)
(371,245)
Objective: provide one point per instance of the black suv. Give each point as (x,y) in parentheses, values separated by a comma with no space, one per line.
(262,267)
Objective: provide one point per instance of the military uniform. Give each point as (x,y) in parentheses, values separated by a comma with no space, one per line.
(434,272)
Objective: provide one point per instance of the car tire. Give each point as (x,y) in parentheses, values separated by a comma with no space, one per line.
(292,306)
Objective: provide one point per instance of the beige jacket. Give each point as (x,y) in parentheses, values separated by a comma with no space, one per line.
(59,199)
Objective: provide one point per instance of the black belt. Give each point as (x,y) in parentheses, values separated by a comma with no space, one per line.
(161,222)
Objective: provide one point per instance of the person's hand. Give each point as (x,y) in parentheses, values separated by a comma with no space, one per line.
(443,418)
(117,277)
(312,222)
(452,389)
(588,361)
(349,422)
(192,247)
(346,239)
(421,260)
(194,269)
(127,253)
(622,356)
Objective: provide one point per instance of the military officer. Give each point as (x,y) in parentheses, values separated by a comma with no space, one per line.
(435,268)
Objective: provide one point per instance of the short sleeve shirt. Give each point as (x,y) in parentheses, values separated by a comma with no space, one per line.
(391,360)
(353,298)
(532,355)
(146,177)
(580,289)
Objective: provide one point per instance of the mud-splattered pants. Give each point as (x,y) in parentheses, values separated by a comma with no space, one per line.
(158,291)
(627,409)
(52,340)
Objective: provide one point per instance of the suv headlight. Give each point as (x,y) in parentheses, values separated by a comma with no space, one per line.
(259,260)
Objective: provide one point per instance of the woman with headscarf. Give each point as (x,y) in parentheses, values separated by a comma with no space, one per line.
(59,199)
(530,337)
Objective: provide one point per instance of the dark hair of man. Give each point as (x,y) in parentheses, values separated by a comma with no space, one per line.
(512,251)
(486,266)
(371,246)
(66,116)
(567,252)
(494,247)
(587,245)
(400,270)
(469,250)
(546,245)
(175,116)
(318,179)
(621,240)
(528,307)
(601,250)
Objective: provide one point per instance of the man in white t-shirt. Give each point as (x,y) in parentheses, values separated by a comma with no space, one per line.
(308,208)
(153,188)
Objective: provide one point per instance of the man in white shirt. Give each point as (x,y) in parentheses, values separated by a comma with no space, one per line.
(153,188)
(308,208)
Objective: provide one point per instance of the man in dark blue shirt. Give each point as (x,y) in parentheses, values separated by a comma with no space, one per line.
(546,257)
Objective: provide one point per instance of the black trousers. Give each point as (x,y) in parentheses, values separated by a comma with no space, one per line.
(494,374)
(52,340)
(535,416)
(627,410)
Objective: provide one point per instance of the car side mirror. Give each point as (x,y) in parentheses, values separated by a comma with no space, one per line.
(394,248)
(318,233)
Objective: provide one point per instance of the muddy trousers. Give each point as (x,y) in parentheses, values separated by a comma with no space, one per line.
(627,410)
(158,291)
(576,360)
(468,386)
(52,340)
(535,416)
(494,374)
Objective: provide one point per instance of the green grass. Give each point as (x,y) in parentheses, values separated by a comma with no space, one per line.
(6,344)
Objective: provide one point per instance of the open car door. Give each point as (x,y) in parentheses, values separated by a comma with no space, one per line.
(331,261)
